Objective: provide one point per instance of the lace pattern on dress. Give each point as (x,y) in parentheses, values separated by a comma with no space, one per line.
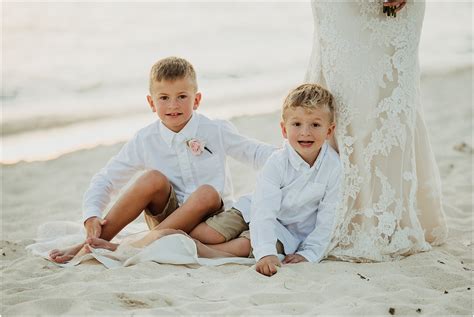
(370,64)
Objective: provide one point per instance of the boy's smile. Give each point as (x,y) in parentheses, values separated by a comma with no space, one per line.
(307,144)
(306,131)
(174,102)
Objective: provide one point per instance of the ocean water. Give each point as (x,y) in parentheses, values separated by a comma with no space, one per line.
(74,75)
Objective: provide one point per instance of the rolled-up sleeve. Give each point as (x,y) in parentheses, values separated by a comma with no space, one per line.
(314,247)
(266,203)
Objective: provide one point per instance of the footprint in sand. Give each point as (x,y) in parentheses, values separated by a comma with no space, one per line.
(463,147)
(132,303)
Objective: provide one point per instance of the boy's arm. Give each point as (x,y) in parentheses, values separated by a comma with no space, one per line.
(314,247)
(245,149)
(266,203)
(110,179)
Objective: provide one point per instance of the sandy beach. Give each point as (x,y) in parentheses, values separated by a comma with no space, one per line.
(438,282)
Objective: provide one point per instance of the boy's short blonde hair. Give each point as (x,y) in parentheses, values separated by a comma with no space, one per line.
(309,96)
(172,68)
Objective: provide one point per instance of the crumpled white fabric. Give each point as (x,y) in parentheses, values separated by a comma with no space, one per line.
(171,249)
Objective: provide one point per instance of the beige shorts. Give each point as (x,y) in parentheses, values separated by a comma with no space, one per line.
(153,220)
(231,225)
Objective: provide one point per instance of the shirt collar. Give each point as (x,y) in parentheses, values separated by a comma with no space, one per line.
(188,132)
(297,161)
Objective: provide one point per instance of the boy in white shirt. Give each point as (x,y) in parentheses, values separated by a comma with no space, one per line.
(298,189)
(293,208)
(185,152)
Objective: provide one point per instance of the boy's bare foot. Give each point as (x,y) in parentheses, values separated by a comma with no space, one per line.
(83,251)
(98,243)
(65,255)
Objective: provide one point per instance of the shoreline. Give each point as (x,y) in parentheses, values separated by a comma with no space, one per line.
(105,130)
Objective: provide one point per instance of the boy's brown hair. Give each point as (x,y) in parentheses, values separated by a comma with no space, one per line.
(309,96)
(172,68)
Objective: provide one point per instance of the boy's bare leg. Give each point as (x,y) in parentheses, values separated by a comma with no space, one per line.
(203,202)
(204,251)
(239,247)
(151,188)
(151,236)
(206,234)
(152,191)
(228,249)
(154,235)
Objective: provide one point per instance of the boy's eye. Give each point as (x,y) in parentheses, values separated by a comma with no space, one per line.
(296,124)
(164,98)
(182,96)
(316,125)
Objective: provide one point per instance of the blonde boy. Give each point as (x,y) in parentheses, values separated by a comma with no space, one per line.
(292,209)
(297,190)
(184,153)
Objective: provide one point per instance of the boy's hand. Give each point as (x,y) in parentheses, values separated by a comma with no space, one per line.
(268,265)
(294,258)
(93,227)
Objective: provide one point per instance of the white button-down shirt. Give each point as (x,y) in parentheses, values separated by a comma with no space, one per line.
(155,147)
(295,203)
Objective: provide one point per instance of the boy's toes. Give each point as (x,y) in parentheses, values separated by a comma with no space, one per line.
(62,258)
(54,253)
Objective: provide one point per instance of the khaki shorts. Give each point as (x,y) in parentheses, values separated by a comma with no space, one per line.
(231,225)
(153,220)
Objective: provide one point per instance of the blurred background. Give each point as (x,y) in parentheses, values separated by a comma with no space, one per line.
(75,75)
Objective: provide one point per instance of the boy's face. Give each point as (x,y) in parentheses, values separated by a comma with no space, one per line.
(174,102)
(306,131)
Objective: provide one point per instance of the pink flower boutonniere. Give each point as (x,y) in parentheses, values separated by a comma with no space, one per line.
(197,146)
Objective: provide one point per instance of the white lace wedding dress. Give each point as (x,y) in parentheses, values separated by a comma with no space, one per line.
(391,196)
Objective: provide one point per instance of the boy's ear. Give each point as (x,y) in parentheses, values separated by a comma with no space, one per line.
(283,129)
(151,103)
(197,100)
(331,129)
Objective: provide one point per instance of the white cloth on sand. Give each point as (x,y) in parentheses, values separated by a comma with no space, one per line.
(171,249)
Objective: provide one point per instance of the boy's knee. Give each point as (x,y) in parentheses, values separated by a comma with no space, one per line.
(209,195)
(244,246)
(154,181)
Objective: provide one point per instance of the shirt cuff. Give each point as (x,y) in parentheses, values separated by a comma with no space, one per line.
(264,250)
(89,214)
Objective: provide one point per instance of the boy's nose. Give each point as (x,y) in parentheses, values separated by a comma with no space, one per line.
(174,103)
(305,130)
